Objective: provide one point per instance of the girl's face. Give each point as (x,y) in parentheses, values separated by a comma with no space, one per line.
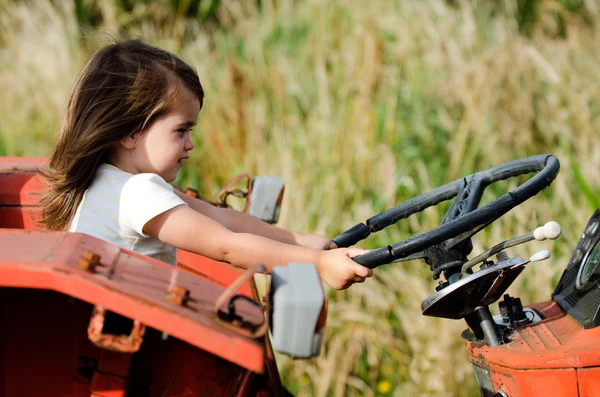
(162,148)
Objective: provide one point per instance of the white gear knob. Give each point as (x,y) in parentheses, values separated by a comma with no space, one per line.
(540,256)
(550,230)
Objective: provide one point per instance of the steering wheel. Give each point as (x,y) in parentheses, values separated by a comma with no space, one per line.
(463,219)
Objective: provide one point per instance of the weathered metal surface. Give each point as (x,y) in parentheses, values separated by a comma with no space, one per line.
(129,343)
(111,379)
(215,271)
(20,188)
(185,350)
(544,358)
(16,164)
(555,343)
(19,195)
(532,383)
(129,284)
(589,382)
(44,351)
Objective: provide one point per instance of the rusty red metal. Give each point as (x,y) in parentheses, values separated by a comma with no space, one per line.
(122,343)
(225,309)
(19,191)
(45,351)
(185,349)
(137,288)
(111,379)
(550,356)
(588,380)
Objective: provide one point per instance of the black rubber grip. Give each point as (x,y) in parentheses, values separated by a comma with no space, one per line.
(352,235)
(372,259)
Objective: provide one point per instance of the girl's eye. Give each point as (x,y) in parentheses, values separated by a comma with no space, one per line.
(182,131)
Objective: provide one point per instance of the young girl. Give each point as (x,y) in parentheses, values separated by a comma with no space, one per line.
(123,139)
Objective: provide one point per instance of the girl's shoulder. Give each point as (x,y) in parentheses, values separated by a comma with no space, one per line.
(108,172)
(130,188)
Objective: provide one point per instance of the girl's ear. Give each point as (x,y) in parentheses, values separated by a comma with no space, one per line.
(130,141)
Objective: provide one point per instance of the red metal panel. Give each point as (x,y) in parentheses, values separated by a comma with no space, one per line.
(111,377)
(589,382)
(12,164)
(173,368)
(519,383)
(20,188)
(44,351)
(218,272)
(130,284)
(557,342)
(19,218)
(43,338)
(126,283)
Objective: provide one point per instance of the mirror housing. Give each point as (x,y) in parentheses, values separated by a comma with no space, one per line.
(298,310)
(266,197)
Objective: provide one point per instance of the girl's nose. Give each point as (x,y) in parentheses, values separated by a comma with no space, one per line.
(189,144)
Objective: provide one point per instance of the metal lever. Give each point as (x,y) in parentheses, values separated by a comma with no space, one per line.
(550,230)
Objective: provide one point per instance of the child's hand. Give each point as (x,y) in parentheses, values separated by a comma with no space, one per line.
(315,241)
(339,271)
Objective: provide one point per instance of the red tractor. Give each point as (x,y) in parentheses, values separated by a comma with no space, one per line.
(83,317)
(547,349)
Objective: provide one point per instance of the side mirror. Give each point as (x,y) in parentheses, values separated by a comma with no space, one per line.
(266,197)
(299,310)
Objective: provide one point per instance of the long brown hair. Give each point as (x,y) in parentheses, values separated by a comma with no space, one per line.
(121,90)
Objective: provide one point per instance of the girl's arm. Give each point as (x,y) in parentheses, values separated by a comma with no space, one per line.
(240,222)
(185,228)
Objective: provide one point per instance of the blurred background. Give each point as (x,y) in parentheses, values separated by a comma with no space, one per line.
(358,105)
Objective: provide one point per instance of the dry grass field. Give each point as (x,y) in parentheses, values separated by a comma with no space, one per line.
(358,106)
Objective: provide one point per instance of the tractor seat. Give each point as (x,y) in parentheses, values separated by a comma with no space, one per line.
(20,188)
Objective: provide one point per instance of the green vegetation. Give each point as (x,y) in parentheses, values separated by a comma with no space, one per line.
(358,106)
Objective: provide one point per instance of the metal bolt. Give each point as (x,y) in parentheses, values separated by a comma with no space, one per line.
(176,289)
(176,299)
(89,261)
(178,295)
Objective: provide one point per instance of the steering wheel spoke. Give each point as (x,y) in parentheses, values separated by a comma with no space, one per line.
(416,255)
(453,242)
(467,199)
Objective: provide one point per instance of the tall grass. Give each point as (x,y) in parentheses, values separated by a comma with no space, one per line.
(358,106)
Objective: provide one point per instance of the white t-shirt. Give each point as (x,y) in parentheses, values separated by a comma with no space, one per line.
(118,204)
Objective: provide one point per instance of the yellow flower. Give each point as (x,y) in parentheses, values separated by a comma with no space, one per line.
(384,387)
(304,381)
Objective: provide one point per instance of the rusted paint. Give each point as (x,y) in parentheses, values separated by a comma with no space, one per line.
(177,299)
(544,358)
(90,256)
(135,290)
(530,383)
(225,310)
(88,261)
(120,343)
(176,289)
(21,164)
(133,286)
(557,342)
(177,294)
